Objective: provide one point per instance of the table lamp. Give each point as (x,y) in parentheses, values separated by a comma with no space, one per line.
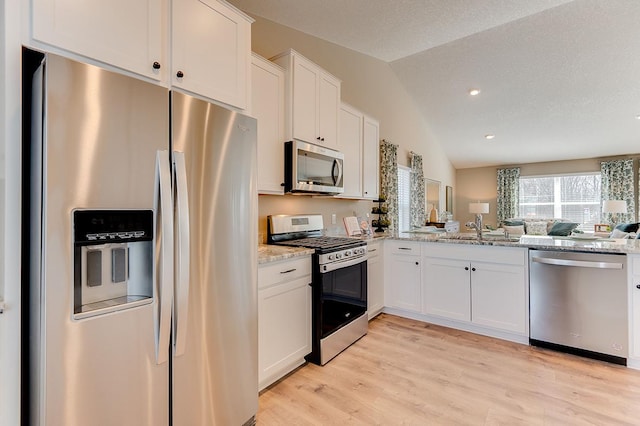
(614,207)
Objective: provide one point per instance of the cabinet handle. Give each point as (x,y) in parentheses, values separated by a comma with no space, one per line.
(156,65)
(179,74)
(286,272)
(466,268)
(404,248)
(372,250)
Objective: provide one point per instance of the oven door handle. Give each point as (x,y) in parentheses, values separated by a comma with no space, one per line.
(329,267)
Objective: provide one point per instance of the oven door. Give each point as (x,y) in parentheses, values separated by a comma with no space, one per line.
(344,294)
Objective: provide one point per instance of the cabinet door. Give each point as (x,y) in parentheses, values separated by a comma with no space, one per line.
(499,296)
(328,110)
(211,50)
(634,318)
(404,281)
(350,145)
(375,281)
(447,291)
(284,328)
(305,100)
(123,33)
(370,159)
(267,92)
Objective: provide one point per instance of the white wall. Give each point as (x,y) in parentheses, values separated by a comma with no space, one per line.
(10,18)
(369,85)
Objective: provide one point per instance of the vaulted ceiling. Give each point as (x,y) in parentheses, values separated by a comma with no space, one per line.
(558,79)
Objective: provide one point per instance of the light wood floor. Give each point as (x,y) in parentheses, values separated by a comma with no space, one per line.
(409,372)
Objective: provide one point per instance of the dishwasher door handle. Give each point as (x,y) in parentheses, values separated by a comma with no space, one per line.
(577,263)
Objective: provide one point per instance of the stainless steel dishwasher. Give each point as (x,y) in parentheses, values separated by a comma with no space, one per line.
(578,303)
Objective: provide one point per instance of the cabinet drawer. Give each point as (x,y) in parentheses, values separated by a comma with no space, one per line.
(373,249)
(407,248)
(286,270)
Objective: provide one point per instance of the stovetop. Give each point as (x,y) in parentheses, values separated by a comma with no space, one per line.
(324,244)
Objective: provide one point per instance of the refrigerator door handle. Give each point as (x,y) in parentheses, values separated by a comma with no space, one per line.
(164,266)
(182,254)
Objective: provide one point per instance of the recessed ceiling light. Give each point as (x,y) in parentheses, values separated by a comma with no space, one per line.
(489,136)
(474,92)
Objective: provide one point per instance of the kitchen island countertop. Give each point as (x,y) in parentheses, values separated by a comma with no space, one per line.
(599,245)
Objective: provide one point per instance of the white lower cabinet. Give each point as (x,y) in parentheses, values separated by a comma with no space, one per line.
(633,360)
(485,286)
(447,288)
(476,288)
(284,317)
(402,276)
(375,279)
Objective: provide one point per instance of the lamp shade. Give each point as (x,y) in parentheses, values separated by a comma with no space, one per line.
(614,206)
(479,208)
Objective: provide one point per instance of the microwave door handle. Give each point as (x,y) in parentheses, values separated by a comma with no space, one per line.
(336,165)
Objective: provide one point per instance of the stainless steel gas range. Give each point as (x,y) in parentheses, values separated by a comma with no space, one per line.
(339,282)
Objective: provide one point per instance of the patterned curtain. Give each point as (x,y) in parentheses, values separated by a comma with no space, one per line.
(389,181)
(508,188)
(617,183)
(417,211)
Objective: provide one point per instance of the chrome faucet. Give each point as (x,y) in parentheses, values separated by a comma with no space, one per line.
(477,225)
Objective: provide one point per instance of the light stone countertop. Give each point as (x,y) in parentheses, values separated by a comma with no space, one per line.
(600,245)
(272,253)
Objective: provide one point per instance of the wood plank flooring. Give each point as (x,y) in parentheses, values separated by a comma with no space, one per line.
(409,372)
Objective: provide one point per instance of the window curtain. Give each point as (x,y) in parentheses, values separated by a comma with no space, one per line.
(508,194)
(389,181)
(617,183)
(417,191)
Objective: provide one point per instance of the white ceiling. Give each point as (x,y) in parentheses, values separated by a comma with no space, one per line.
(559,79)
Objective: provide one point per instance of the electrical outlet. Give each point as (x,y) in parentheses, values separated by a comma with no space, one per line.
(333,218)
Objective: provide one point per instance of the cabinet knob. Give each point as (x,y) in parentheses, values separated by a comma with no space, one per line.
(156,65)
(282,184)
(179,74)
(466,268)
(417,263)
(318,138)
(473,269)
(638,286)
(322,139)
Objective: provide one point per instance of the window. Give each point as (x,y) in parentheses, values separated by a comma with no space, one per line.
(404,198)
(572,197)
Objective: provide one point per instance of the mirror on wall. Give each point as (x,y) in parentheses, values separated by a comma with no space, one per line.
(432,196)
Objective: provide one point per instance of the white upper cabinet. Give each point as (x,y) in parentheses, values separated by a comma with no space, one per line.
(358,141)
(211,47)
(126,34)
(312,100)
(370,158)
(350,144)
(267,92)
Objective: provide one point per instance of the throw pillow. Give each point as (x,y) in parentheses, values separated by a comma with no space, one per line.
(616,233)
(536,228)
(562,229)
(514,230)
(513,222)
(627,227)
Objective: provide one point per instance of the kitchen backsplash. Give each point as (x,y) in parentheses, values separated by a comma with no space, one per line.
(304,204)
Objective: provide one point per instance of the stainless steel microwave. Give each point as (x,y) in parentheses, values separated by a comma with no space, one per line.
(311,168)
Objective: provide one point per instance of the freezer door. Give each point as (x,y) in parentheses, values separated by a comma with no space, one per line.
(215,381)
(98,144)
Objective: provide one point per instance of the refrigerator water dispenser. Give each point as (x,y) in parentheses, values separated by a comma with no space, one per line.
(113,260)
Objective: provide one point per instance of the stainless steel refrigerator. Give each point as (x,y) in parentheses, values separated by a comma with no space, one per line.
(140,259)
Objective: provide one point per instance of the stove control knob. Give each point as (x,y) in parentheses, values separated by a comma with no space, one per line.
(338,255)
(347,253)
(330,257)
